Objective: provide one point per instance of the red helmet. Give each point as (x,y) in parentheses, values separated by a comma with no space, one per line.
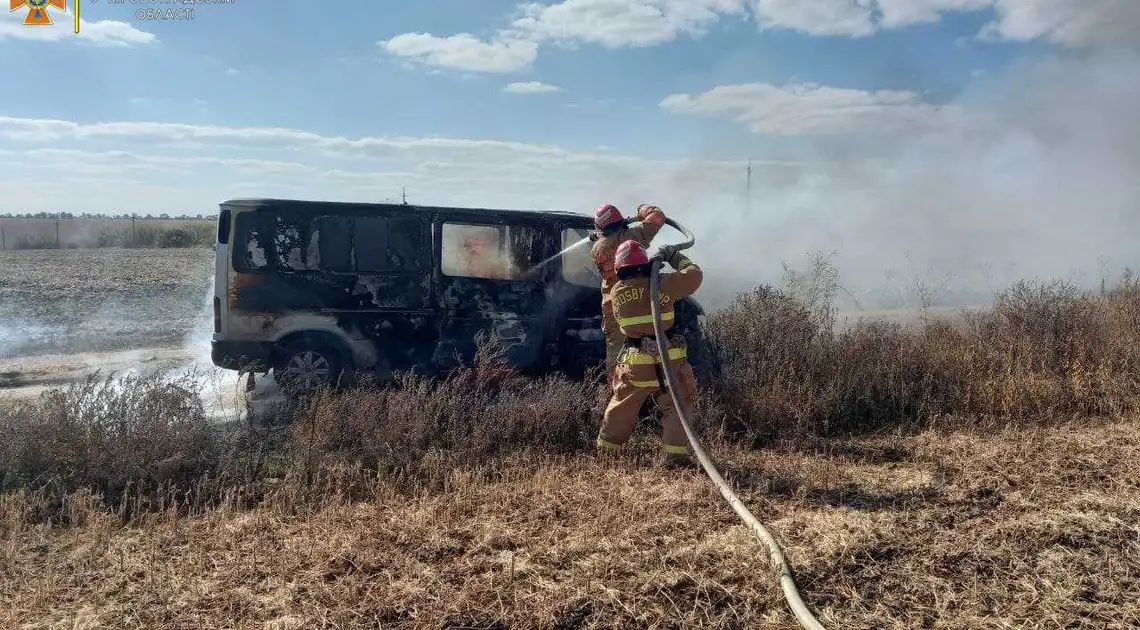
(630,254)
(606,215)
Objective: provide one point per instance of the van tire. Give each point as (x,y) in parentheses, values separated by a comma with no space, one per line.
(306,364)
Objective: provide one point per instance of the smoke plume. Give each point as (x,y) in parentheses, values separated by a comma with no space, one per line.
(1031,173)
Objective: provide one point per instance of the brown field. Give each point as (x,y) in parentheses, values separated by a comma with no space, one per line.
(978,472)
(73,301)
(21,233)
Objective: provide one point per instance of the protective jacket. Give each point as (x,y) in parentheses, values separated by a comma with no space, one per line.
(638,373)
(634,315)
(652,220)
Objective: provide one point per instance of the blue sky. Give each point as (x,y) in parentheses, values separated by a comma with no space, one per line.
(614,100)
(351,87)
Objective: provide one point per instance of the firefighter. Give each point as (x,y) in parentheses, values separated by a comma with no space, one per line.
(613,229)
(638,373)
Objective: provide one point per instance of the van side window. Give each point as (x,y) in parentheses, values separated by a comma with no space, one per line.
(489,251)
(526,248)
(252,242)
(371,240)
(409,245)
(334,240)
(295,245)
(336,243)
(578,265)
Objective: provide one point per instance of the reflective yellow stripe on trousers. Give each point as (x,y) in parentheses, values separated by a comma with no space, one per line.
(644,358)
(643,319)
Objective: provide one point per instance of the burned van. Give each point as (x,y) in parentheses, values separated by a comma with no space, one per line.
(316,291)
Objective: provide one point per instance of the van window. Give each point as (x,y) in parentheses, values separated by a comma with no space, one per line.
(409,246)
(224,227)
(371,238)
(577,264)
(296,247)
(251,242)
(334,240)
(335,243)
(490,251)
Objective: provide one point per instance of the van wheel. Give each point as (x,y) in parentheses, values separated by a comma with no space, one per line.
(305,365)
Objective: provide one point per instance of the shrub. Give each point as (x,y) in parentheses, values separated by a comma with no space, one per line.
(474,414)
(132,436)
(177,237)
(1045,352)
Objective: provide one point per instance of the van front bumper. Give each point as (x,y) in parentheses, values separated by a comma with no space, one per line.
(247,356)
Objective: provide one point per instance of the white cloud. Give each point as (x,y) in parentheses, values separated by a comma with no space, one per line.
(102,32)
(618,23)
(125,163)
(611,23)
(1075,23)
(531,87)
(205,164)
(463,52)
(278,138)
(813,109)
(816,17)
(633,23)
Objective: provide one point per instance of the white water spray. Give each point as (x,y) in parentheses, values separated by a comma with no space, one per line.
(221,390)
(565,251)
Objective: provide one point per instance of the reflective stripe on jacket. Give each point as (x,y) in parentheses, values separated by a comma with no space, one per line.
(632,309)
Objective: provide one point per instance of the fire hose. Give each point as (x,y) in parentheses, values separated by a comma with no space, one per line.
(775,554)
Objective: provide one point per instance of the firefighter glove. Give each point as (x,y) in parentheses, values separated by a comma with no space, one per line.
(665,253)
(677,260)
(646,209)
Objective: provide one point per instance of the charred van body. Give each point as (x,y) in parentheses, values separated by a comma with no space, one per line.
(316,291)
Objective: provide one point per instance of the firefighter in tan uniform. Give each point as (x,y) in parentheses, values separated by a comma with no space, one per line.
(638,374)
(613,230)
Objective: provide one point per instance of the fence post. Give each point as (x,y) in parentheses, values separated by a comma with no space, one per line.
(3,239)
(134,243)
(57,233)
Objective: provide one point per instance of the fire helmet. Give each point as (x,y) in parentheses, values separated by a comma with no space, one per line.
(607,215)
(630,254)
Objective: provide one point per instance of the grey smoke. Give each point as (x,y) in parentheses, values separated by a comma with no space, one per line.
(1040,180)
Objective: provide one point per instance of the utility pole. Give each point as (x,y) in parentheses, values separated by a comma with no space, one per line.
(748,187)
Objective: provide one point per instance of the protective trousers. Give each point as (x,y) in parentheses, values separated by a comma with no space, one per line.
(632,389)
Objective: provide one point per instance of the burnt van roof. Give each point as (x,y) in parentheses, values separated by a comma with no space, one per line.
(316,206)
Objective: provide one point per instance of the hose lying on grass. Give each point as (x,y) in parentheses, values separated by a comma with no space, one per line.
(775,554)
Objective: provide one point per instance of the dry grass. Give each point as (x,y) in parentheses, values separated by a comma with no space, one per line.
(476,502)
(1026,529)
(21,233)
(1044,353)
